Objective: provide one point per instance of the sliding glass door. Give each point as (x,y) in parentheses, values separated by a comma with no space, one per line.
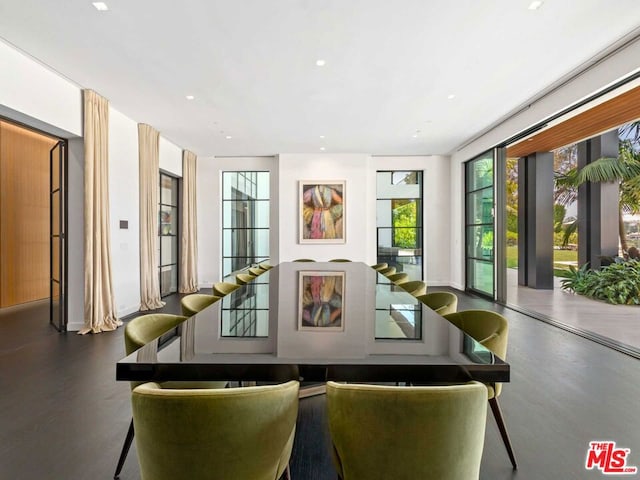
(480,224)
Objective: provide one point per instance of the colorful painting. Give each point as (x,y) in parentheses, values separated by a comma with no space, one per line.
(321,301)
(322,209)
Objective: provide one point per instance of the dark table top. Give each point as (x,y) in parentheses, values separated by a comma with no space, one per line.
(316,322)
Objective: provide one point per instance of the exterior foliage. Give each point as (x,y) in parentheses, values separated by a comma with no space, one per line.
(618,283)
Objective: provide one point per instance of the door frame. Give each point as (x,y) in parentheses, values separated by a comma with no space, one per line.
(62,158)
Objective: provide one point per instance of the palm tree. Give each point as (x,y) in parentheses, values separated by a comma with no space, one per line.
(623,169)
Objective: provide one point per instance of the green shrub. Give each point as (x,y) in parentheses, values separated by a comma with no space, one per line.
(618,283)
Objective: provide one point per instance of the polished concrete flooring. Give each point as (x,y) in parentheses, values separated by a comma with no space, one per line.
(619,323)
(63,415)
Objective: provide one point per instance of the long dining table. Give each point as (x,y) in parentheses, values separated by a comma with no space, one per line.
(314,322)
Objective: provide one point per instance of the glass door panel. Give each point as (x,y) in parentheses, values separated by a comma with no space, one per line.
(480,224)
(168,231)
(57,247)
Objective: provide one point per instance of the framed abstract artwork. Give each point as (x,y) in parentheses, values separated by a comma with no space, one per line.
(322,207)
(321,301)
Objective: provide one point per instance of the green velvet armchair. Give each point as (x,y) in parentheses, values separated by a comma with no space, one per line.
(399,278)
(220,289)
(407,433)
(137,333)
(194,303)
(491,330)
(440,302)
(415,287)
(227,434)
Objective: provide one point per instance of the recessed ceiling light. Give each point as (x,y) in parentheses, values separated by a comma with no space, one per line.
(321,136)
(228,137)
(320,63)
(101,6)
(190,97)
(451,96)
(322,149)
(535,5)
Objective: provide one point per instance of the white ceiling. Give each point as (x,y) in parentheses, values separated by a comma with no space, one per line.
(251,65)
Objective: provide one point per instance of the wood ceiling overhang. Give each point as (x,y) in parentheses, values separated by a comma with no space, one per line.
(613,113)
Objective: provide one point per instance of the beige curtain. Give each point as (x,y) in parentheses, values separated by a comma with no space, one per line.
(99,304)
(189,232)
(148,148)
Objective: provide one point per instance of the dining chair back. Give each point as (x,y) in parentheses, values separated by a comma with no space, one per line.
(442,303)
(220,289)
(255,271)
(244,278)
(233,433)
(137,333)
(383,432)
(379,266)
(491,330)
(304,260)
(339,260)
(415,287)
(399,278)
(387,271)
(196,302)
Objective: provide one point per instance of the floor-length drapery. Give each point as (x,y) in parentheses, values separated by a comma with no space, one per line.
(99,304)
(188,231)
(148,149)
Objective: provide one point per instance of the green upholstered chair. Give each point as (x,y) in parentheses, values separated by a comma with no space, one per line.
(491,330)
(414,287)
(244,278)
(194,303)
(384,432)
(399,278)
(234,433)
(387,271)
(379,266)
(304,260)
(255,271)
(137,333)
(220,289)
(440,302)
(339,260)
(264,266)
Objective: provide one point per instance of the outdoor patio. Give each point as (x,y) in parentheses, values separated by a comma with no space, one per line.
(619,323)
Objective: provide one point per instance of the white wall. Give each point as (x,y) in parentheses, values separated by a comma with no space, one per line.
(33,94)
(605,73)
(209,204)
(170,157)
(359,200)
(436,211)
(124,204)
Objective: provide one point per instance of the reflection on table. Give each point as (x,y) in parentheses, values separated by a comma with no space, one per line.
(284,324)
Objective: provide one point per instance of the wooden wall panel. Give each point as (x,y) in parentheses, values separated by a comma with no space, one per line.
(24,215)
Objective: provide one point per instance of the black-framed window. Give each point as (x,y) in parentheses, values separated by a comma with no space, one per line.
(245,219)
(168,226)
(399,221)
(480,224)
